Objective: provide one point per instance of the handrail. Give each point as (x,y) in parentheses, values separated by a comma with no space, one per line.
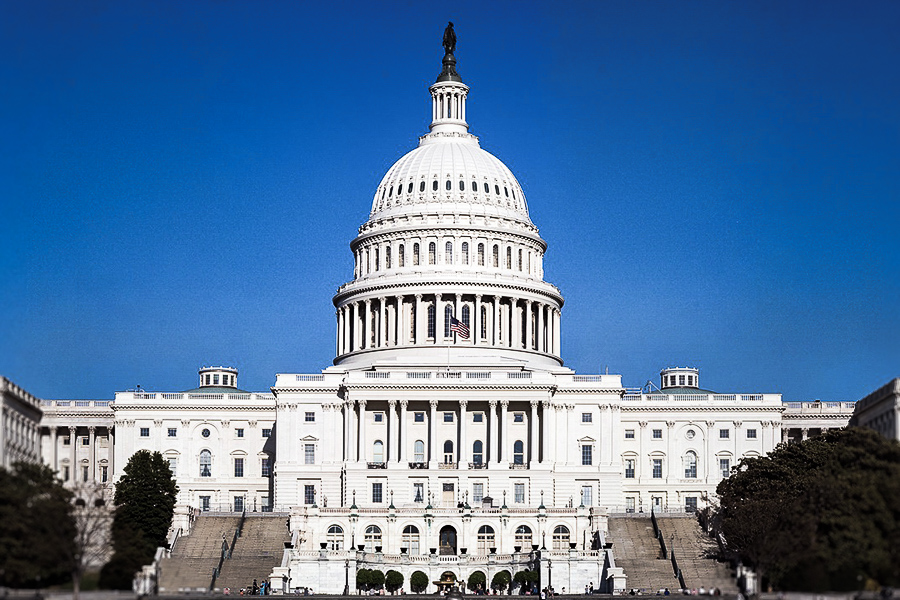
(658,535)
(226,550)
(237,532)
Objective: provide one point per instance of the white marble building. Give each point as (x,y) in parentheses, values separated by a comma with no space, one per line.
(880,410)
(20,416)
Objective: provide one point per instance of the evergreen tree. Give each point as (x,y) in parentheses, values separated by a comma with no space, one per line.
(37,535)
(145,501)
(418,581)
(393,580)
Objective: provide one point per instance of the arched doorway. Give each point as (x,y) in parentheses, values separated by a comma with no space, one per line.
(448,540)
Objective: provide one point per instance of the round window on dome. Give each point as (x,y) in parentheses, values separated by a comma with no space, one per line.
(434,185)
(474,186)
(506,191)
(497,189)
(487,189)
(462,185)
(390,192)
(448,185)
(690,434)
(409,189)
(421,186)
(205,433)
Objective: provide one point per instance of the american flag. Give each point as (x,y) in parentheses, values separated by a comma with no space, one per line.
(459,327)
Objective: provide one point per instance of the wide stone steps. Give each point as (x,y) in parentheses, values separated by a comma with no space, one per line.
(259,549)
(637,552)
(694,551)
(190,566)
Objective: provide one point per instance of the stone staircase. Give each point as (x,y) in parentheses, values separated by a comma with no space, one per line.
(693,549)
(190,566)
(637,552)
(258,550)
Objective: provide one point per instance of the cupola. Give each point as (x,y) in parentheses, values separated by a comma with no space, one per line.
(679,377)
(225,377)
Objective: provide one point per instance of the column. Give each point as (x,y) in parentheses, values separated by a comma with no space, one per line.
(463,443)
(54,437)
(476,321)
(493,429)
(495,323)
(804,435)
(504,427)
(529,326)
(419,320)
(670,452)
(340,331)
(549,415)
(457,312)
(382,323)
(393,431)
(432,433)
(363,446)
(368,335)
(403,427)
(352,431)
(399,329)
(438,319)
(514,325)
(73,448)
(534,444)
(556,322)
(92,465)
(112,453)
(541,335)
(352,337)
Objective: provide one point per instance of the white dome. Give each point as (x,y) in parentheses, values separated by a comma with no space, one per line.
(420,179)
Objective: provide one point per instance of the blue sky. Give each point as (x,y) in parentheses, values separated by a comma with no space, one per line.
(717,181)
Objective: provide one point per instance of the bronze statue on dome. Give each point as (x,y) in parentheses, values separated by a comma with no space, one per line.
(449,38)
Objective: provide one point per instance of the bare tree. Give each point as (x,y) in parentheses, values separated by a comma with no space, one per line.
(93,518)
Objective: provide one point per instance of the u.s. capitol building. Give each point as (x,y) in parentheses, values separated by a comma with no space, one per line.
(448,435)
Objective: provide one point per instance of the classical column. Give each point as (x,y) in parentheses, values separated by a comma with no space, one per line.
(432,432)
(504,426)
(420,336)
(399,328)
(93,453)
(73,448)
(457,312)
(529,326)
(549,412)
(463,423)
(541,334)
(353,431)
(369,335)
(495,323)
(393,430)
(494,432)
(403,426)
(55,438)
(363,446)
(556,321)
(804,435)
(382,331)
(112,453)
(534,445)
(352,336)
(439,319)
(340,332)
(476,321)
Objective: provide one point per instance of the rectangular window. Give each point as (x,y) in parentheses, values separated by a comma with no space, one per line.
(65,473)
(724,434)
(238,504)
(586,494)
(309,494)
(725,467)
(629,468)
(239,432)
(379,417)
(204,500)
(173,465)
(266,467)
(309,454)
(104,474)
(266,506)
(751,434)
(215,380)
(587,418)
(239,467)
(629,434)
(477,492)
(419,417)
(85,472)
(418,492)
(690,504)
(478,417)
(657,434)
(172,432)
(519,492)
(145,432)
(587,454)
(310,417)
(629,504)
(448,417)
(518,417)
(657,468)
(376,493)
(266,432)
(68,441)
(681,380)
(85,441)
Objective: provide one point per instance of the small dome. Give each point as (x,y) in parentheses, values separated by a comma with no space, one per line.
(478,182)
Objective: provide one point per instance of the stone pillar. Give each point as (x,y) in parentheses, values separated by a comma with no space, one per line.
(529,326)
(476,321)
(463,452)
(73,452)
(369,335)
(363,453)
(382,324)
(399,329)
(421,323)
(457,312)
(92,465)
(541,334)
(403,428)
(393,430)
(438,319)
(54,437)
(495,323)
(112,453)
(504,427)
(556,336)
(534,444)
(549,415)
(432,434)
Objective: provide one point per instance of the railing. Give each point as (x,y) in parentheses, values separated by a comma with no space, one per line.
(448,374)
(480,465)
(310,377)
(519,375)
(587,378)
(447,465)
(418,465)
(478,375)
(377,465)
(378,375)
(77,403)
(418,374)
(664,553)
(517,466)
(677,571)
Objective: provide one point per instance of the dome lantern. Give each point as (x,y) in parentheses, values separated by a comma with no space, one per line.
(448,94)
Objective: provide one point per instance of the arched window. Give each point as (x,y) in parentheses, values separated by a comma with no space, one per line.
(485,539)
(508,257)
(416,253)
(464,255)
(487,189)
(520,259)
(431,320)
(377,261)
(523,537)
(401,256)
(478,452)
(409,189)
(448,253)
(480,255)
(483,323)
(448,452)
(690,465)
(372,536)
(496,256)
(378,452)
(474,186)
(506,191)
(434,185)
(419,451)
(448,314)
(410,539)
(518,452)
(421,186)
(561,538)
(432,250)
(465,315)
(335,538)
(496,189)
(387,257)
(205,463)
(448,185)
(462,185)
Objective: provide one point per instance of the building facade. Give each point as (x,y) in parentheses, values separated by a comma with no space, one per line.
(880,410)
(20,417)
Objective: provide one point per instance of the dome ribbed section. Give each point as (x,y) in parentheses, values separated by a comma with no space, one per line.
(478,182)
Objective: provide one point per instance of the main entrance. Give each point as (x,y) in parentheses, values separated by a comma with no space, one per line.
(448,540)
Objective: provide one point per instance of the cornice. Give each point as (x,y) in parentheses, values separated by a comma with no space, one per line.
(408,288)
(354,387)
(453,229)
(188,407)
(695,408)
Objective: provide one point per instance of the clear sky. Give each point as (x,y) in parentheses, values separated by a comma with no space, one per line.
(718,182)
